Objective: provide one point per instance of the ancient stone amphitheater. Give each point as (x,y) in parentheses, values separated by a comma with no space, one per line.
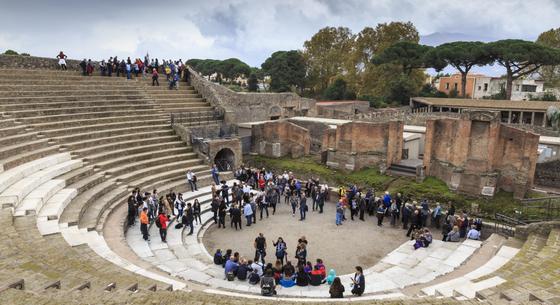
(72,149)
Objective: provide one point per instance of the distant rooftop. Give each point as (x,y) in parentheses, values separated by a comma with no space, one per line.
(486,104)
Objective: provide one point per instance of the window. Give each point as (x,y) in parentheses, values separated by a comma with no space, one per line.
(479,88)
(516,87)
(528,88)
(485,86)
(447,86)
(455,86)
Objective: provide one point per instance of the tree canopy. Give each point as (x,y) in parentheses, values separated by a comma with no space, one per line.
(228,69)
(461,55)
(521,58)
(326,54)
(550,74)
(286,70)
(408,54)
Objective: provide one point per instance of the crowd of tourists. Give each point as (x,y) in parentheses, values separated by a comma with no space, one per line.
(174,70)
(257,194)
(269,276)
(412,216)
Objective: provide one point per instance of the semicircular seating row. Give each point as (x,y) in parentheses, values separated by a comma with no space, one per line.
(71,146)
(187,258)
(47,176)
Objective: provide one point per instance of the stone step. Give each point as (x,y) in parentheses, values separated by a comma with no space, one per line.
(93,212)
(57,78)
(35,200)
(129,172)
(173,95)
(131,156)
(72,92)
(72,110)
(14,195)
(96,121)
(74,265)
(101,126)
(9,177)
(28,156)
(70,98)
(12,130)
(183,108)
(109,133)
(67,87)
(171,177)
(19,138)
(101,152)
(74,210)
(86,115)
(93,143)
(59,82)
(73,104)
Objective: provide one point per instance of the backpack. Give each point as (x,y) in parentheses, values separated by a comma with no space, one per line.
(230,276)
(254,278)
(158,223)
(266,290)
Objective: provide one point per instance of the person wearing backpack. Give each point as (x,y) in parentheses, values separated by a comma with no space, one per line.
(162,220)
(268,285)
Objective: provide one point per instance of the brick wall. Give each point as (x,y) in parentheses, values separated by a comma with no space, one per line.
(280,138)
(356,145)
(476,150)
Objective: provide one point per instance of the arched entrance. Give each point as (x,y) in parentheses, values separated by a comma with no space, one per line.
(225,160)
(275,113)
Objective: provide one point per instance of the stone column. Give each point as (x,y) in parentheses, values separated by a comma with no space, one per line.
(533,118)
(544,119)
(509,117)
(521,118)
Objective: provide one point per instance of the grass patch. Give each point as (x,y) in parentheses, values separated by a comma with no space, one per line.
(308,168)
(432,189)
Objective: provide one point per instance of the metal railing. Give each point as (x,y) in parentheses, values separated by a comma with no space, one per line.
(195,117)
(540,209)
(506,225)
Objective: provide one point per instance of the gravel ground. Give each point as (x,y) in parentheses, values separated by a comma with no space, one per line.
(341,247)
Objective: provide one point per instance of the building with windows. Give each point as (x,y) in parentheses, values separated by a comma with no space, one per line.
(481,86)
(522,90)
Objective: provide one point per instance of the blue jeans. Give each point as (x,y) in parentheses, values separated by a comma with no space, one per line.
(249,218)
(302,213)
(338,218)
(216,179)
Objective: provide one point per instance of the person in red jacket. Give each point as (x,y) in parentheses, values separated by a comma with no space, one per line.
(163,226)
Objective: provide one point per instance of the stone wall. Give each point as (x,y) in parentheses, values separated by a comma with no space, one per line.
(317,131)
(548,174)
(280,138)
(356,145)
(33,62)
(250,107)
(476,152)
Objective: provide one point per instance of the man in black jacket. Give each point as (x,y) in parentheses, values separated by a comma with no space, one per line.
(188,218)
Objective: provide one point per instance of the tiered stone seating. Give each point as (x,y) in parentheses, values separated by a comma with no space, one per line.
(72,149)
(186,257)
(533,274)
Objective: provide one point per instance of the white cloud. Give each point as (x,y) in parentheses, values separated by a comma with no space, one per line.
(249,30)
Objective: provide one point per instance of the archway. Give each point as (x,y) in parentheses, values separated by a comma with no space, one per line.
(225,159)
(275,112)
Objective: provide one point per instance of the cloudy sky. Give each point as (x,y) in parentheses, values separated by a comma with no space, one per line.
(249,30)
